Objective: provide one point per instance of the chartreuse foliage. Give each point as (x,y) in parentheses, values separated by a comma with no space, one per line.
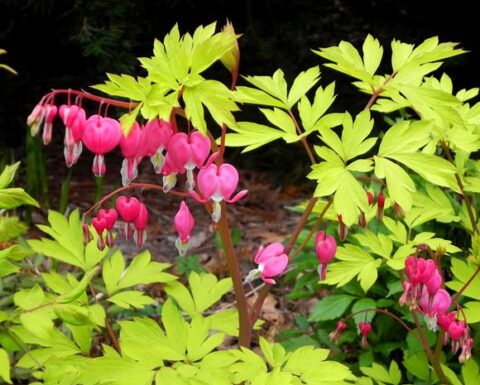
(56,324)
(174,76)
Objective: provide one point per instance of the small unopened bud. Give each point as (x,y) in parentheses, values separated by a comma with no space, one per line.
(380,206)
(230,58)
(87,236)
(397,210)
(365,329)
(362,221)
(342,228)
(335,335)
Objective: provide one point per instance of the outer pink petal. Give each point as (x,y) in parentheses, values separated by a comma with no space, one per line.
(275,266)
(228,176)
(207,181)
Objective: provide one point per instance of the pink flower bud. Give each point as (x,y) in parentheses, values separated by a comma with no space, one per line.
(325,247)
(50,113)
(74,118)
(156,136)
(434,283)
(466,353)
(444,320)
(342,228)
(35,118)
(272,262)
(87,237)
(370,198)
(406,295)
(128,208)
(365,329)
(184,223)
(457,330)
(380,205)
(188,152)
(100,225)
(335,335)
(129,145)
(140,235)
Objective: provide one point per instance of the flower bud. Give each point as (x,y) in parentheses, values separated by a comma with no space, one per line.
(325,247)
(140,235)
(365,329)
(335,335)
(184,223)
(380,206)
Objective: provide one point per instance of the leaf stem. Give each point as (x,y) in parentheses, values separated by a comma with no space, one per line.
(378,91)
(383,311)
(302,138)
(464,287)
(466,198)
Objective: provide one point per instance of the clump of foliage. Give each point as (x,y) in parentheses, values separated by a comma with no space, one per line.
(402,286)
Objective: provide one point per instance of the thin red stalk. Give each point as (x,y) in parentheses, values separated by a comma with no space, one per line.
(431,356)
(466,198)
(464,287)
(302,139)
(377,92)
(383,311)
(148,186)
(223,229)
(95,98)
(110,331)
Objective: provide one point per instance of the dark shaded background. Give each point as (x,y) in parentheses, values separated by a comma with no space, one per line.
(72,43)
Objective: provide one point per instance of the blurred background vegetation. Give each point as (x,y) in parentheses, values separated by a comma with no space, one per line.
(72,43)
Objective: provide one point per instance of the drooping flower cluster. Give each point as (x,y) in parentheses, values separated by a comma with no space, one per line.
(423,292)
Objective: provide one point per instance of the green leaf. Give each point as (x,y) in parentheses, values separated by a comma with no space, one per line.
(7,175)
(175,327)
(199,342)
(135,335)
(372,54)
(378,373)
(5,366)
(128,120)
(350,262)
(140,271)
(274,85)
(431,167)
(450,374)
(378,244)
(330,307)
(29,298)
(14,197)
(78,290)
(302,84)
(131,299)
(207,290)
(405,137)
(462,272)
(125,86)
(418,365)
(472,311)
(364,304)
(7,268)
(470,373)
(72,314)
(251,136)
(310,114)
(399,184)
(11,228)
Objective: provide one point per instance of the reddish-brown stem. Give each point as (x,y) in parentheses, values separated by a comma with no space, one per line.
(313,230)
(89,96)
(377,92)
(147,186)
(302,138)
(426,347)
(110,331)
(371,179)
(466,198)
(223,229)
(464,287)
(383,311)
(257,306)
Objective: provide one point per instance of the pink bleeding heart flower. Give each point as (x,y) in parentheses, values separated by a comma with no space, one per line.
(101,135)
(156,136)
(187,152)
(435,306)
(74,118)
(217,184)
(170,171)
(140,234)
(272,262)
(129,209)
(335,335)
(100,224)
(110,216)
(457,331)
(184,223)
(325,247)
(130,147)
(365,329)
(406,295)
(466,353)
(35,118)
(50,113)
(434,283)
